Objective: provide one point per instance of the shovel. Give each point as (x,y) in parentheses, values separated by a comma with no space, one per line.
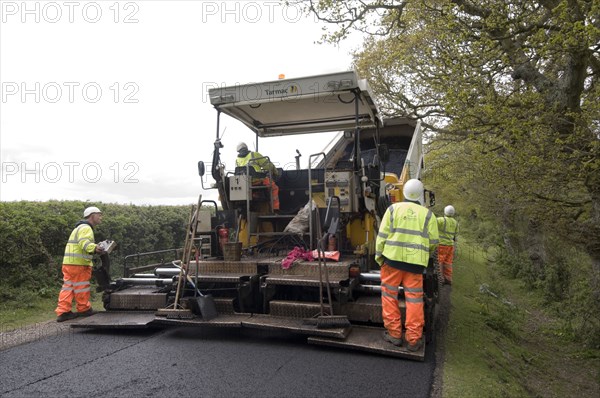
(203,304)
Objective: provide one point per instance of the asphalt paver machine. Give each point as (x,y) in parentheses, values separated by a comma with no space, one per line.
(329,210)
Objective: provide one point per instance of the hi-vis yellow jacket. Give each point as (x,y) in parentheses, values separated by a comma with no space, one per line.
(408,233)
(448,228)
(80,246)
(261,165)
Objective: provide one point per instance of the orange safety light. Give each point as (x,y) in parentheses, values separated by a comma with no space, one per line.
(281,76)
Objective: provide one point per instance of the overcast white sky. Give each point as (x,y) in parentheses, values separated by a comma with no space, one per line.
(107,100)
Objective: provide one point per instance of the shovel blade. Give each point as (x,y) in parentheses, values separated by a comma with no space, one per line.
(206,307)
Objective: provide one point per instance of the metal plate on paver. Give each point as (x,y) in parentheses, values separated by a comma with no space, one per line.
(293,309)
(207,267)
(223,320)
(138,298)
(337,270)
(364,309)
(115,320)
(369,339)
(295,325)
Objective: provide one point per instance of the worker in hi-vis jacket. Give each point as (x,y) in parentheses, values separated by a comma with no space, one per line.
(448,229)
(408,235)
(261,165)
(77,267)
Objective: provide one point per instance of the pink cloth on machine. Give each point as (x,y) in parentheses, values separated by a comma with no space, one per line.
(297,253)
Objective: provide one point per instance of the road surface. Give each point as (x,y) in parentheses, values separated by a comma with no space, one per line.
(202,362)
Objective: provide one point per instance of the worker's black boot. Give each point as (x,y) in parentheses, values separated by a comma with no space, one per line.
(393,340)
(66,316)
(416,346)
(89,312)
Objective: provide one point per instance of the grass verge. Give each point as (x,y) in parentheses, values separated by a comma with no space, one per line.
(33,308)
(501,341)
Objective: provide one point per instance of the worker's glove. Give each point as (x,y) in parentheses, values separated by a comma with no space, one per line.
(379,260)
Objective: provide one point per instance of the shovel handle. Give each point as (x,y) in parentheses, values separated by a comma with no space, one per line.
(188,278)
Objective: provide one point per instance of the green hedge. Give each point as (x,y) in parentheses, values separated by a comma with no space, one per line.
(33,236)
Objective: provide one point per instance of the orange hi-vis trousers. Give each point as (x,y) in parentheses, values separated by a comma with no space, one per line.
(445,259)
(76,285)
(391,278)
(274,189)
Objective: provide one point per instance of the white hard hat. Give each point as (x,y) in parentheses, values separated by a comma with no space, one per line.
(413,190)
(90,210)
(449,210)
(241,145)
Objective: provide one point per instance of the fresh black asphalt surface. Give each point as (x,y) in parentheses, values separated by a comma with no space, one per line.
(203,362)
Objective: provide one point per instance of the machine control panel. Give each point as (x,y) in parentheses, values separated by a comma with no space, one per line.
(341,184)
